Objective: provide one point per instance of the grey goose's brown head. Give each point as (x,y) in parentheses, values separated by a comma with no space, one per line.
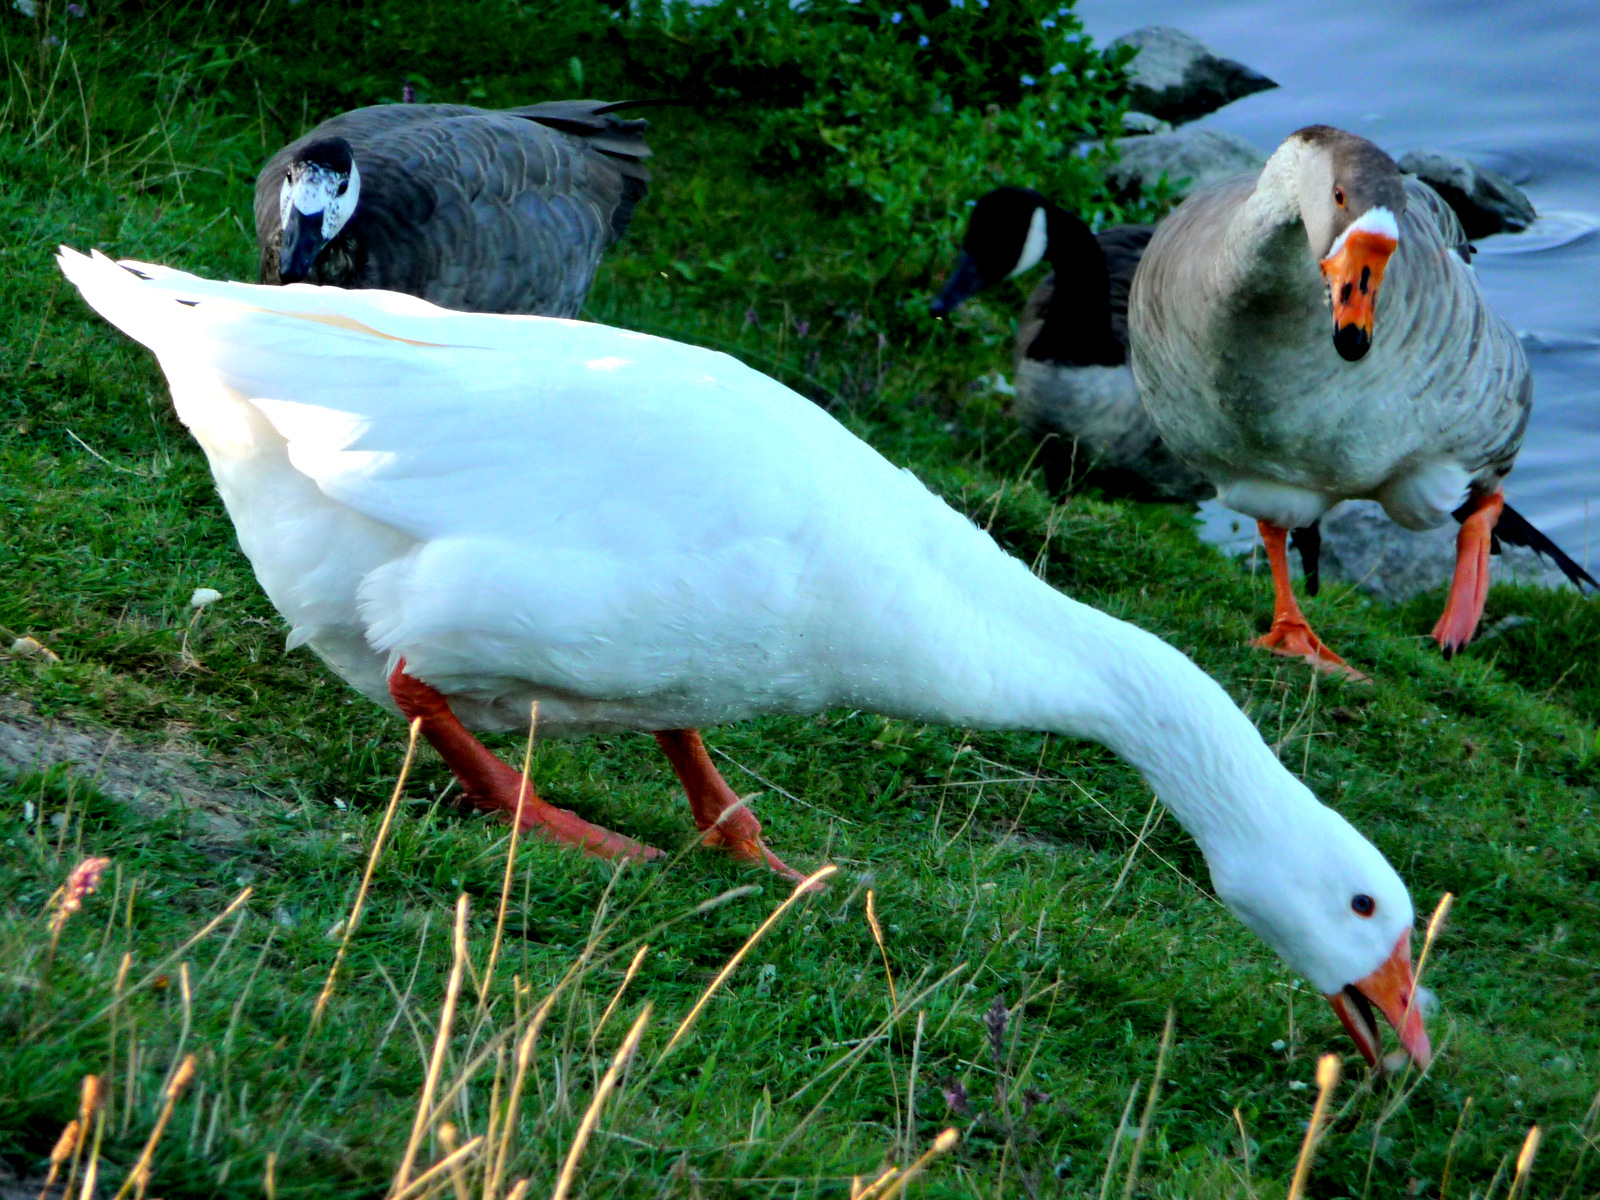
(320,191)
(1351,199)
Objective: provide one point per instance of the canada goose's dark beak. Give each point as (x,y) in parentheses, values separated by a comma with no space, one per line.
(302,242)
(964,281)
(1393,990)
(1354,269)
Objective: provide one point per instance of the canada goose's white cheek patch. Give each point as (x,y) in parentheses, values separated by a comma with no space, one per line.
(341,204)
(1033,248)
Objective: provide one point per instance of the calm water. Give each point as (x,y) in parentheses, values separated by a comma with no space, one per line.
(1513,84)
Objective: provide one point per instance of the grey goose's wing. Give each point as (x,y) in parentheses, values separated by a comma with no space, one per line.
(487,211)
(1123,246)
(1433,208)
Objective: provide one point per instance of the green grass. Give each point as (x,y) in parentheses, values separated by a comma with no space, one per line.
(995,859)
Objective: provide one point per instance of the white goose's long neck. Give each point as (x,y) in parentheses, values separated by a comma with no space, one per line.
(1046,662)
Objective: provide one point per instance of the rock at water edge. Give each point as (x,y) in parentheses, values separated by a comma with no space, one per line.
(1177,77)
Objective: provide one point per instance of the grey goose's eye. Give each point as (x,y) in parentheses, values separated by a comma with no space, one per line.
(1363,905)
(1338,196)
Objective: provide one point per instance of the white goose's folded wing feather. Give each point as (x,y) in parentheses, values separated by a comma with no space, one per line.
(602,511)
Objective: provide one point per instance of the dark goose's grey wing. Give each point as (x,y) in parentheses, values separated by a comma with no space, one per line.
(1123,246)
(478,210)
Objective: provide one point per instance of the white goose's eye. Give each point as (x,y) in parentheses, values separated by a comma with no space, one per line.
(1363,905)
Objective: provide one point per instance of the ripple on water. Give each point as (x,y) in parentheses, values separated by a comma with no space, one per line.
(1552,231)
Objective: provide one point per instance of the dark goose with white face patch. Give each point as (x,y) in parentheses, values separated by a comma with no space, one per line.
(1074,390)
(482,210)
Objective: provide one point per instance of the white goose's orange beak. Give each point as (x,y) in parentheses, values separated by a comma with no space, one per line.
(1354,269)
(1392,989)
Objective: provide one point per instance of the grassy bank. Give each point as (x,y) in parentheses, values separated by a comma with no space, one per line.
(1014,871)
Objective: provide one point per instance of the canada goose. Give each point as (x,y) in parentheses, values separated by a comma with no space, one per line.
(470,208)
(1236,363)
(463,514)
(1072,376)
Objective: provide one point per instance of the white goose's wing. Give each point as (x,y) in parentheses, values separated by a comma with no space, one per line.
(603,512)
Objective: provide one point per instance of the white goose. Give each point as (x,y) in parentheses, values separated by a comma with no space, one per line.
(1228,320)
(465,513)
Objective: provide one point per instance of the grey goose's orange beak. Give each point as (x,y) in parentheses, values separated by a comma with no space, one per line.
(1354,269)
(1392,990)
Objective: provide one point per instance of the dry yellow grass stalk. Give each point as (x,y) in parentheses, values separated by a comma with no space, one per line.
(62,1151)
(448,1139)
(802,888)
(91,1100)
(616,999)
(511,859)
(441,1042)
(366,882)
(877,936)
(139,1177)
(1149,1108)
(591,1116)
(1116,1139)
(524,1058)
(1435,923)
(155,972)
(1530,1147)
(895,1184)
(1450,1152)
(424,1182)
(1328,1071)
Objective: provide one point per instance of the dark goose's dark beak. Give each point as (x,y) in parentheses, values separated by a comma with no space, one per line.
(965,281)
(302,242)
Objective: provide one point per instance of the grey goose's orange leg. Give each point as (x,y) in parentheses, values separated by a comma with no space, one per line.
(1469,586)
(1291,633)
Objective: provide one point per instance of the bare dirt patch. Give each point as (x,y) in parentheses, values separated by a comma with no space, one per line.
(154,782)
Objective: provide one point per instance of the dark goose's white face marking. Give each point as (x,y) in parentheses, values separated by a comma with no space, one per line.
(1034,245)
(312,188)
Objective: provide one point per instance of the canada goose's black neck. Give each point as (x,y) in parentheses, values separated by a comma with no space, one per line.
(1077,321)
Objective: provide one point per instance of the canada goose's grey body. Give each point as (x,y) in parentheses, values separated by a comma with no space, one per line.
(475,209)
(1094,409)
(1231,350)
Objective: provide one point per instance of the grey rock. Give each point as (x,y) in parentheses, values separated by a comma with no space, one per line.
(1190,158)
(1361,545)
(1486,201)
(1177,77)
(1134,123)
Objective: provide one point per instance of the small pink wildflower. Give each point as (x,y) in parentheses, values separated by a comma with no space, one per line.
(83,881)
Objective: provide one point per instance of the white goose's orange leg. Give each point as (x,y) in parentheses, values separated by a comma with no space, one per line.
(738,832)
(1469,587)
(489,784)
(1290,634)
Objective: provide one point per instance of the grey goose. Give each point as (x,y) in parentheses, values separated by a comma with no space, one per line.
(1417,400)
(1071,352)
(482,210)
